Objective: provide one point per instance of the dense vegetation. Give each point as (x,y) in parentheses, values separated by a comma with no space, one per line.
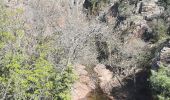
(25,74)
(161,83)
(160,79)
(34,66)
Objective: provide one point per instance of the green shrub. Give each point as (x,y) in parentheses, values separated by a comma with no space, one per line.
(26,78)
(29,76)
(160,82)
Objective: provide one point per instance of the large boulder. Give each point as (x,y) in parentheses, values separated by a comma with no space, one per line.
(106,80)
(84,85)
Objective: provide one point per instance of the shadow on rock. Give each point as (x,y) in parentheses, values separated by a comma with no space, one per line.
(131,90)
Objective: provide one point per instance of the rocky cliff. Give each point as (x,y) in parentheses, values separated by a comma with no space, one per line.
(122,35)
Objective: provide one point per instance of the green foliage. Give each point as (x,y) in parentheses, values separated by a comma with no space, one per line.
(160,82)
(31,76)
(4,34)
(35,78)
(10,25)
(144,58)
(35,75)
(160,28)
(64,83)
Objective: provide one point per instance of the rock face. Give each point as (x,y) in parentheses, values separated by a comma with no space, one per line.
(162,57)
(151,9)
(105,78)
(83,86)
(165,55)
(124,28)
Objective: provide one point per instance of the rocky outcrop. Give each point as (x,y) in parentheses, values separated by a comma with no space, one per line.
(162,56)
(165,55)
(124,27)
(105,78)
(84,85)
(150,9)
